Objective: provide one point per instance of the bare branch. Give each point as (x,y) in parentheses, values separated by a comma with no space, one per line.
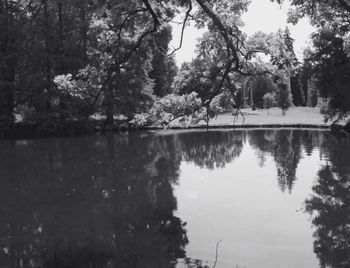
(183,28)
(216,253)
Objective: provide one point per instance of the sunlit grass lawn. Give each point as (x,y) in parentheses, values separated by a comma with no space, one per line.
(293,116)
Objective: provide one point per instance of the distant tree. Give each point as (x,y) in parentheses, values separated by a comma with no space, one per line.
(330,60)
(262,85)
(283,98)
(298,95)
(280,46)
(269,101)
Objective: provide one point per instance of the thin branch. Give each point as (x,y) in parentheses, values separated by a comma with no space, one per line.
(238,108)
(126,19)
(153,14)
(221,83)
(183,28)
(223,31)
(217,253)
(159,49)
(180,116)
(38,10)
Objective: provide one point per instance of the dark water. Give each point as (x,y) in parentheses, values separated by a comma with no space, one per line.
(275,198)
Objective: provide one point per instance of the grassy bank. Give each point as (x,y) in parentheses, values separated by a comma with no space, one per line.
(296,116)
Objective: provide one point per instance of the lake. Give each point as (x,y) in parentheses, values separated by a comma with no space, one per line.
(232,199)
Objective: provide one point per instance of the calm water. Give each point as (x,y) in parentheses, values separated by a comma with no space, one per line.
(274,198)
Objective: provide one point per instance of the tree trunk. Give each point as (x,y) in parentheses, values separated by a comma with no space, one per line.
(252,99)
(244,101)
(207,117)
(7,98)
(84,29)
(48,66)
(62,67)
(311,91)
(8,60)
(109,105)
(109,96)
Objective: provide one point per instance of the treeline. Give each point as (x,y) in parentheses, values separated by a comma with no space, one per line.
(62,60)
(68,61)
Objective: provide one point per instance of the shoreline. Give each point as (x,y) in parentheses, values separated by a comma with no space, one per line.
(77,129)
(247,126)
(297,118)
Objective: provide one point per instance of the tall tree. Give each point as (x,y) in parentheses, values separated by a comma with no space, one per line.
(164,66)
(331,57)
(10,48)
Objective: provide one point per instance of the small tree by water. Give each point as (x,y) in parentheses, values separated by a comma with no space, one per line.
(283,98)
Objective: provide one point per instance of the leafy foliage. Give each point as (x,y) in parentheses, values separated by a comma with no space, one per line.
(330,58)
(333,65)
(112,57)
(186,108)
(164,67)
(261,86)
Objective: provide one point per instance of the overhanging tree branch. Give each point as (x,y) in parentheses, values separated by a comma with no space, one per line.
(112,66)
(151,11)
(219,86)
(223,31)
(126,19)
(183,28)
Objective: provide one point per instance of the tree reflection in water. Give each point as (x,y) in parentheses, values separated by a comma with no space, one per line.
(90,202)
(108,201)
(330,206)
(285,146)
(209,149)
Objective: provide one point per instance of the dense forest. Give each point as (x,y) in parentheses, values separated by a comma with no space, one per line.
(75,61)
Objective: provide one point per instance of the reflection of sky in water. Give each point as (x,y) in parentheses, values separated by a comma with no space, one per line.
(241,204)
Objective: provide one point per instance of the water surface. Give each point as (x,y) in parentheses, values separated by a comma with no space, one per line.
(274,198)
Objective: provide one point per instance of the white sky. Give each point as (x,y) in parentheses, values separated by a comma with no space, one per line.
(262,15)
